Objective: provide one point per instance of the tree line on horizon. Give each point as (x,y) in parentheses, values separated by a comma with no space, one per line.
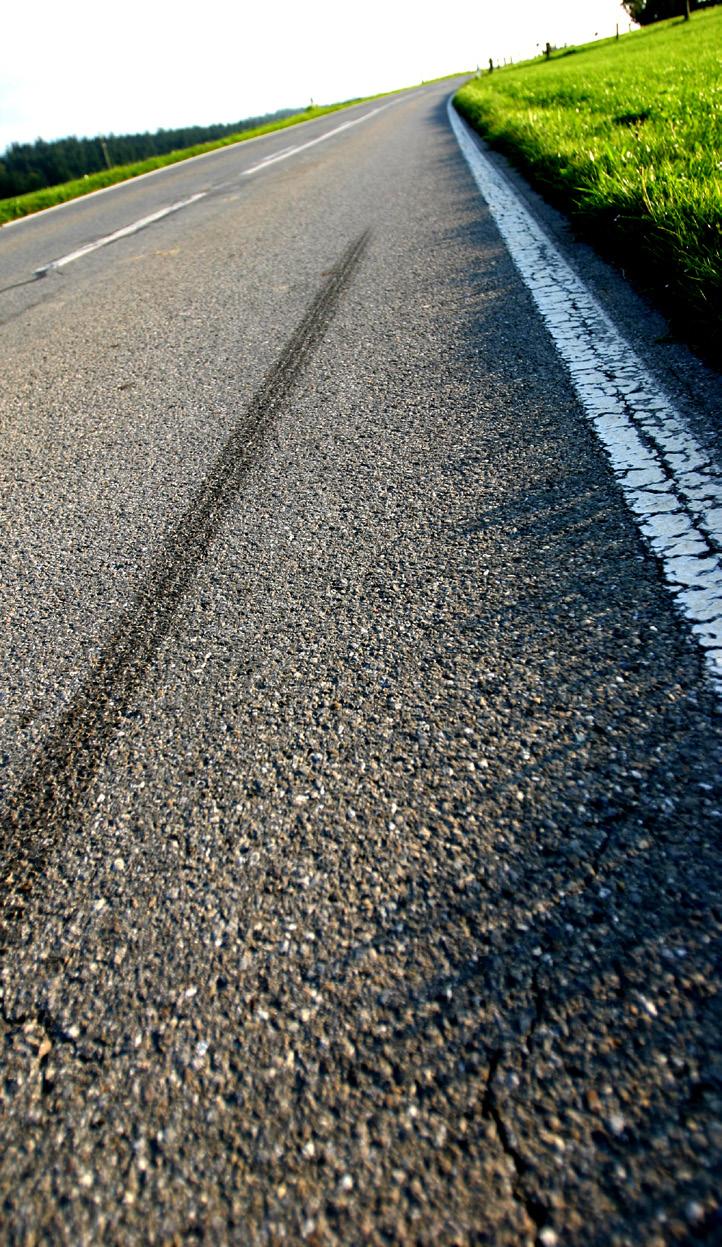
(28,167)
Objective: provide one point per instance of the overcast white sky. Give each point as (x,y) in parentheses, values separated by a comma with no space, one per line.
(88,67)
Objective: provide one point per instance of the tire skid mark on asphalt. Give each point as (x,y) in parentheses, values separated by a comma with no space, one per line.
(670,482)
(51,792)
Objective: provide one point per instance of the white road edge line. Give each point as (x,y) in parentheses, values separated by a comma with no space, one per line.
(293,151)
(669,480)
(119,233)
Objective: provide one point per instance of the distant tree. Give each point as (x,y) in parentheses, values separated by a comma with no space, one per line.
(647,11)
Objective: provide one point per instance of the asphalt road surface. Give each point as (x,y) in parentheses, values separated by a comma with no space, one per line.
(361,792)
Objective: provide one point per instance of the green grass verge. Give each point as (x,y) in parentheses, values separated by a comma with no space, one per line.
(23,205)
(627,135)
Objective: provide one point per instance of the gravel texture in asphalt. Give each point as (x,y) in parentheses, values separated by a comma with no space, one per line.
(360,834)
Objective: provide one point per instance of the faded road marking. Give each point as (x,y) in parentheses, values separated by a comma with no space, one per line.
(293,151)
(119,233)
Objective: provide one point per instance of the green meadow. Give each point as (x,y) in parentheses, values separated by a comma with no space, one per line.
(626,135)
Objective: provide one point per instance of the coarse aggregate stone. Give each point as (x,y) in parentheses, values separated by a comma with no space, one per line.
(391,912)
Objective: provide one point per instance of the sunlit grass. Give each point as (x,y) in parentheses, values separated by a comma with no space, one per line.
(628,135)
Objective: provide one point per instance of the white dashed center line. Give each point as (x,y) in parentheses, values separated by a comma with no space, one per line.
(302,147)
(119,233)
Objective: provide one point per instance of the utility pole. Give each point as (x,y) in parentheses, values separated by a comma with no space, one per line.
(106,154)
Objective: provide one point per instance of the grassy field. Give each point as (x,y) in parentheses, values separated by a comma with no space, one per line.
(627,135)
(23,205)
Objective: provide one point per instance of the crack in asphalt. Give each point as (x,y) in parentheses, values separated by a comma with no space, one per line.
(534,1207)
(536,1211)
(52,790)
